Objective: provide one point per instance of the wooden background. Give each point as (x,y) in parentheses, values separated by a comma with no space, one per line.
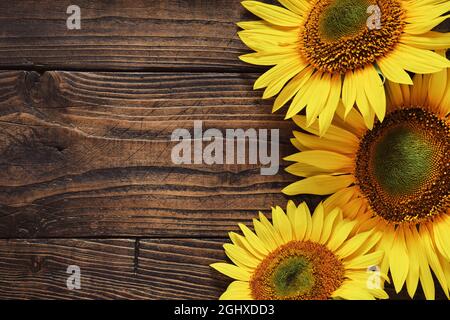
(85,171)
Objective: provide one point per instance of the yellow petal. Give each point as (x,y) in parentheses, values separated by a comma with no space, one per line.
(417,97)
(353,244)
(264,235)
(302,222)
(352,121)
(339,198)
(313,142)
(334,133)
(395,93)
(317,223)
(340,234)
(273,14)
(237,290)
(362,101)
(318,97)
(412,280)
(320,185)
(349,91)
(290,211)
(253,240)
(399,260)
(433,259)
(304,170)
(350,292)
(437,88)
(418,60)
(431,40)
(268,40)
(290,67)
(240,256)
(274,233)
(302,97)
(267,58)
(424,26)
(232,271)
(292,88)
(374,91)
(249,25)
(327,160)
(329,223)
(366,261)
(300,7)
(446,266)
(281,79)
(242,242)
(327,114)
(394,72)
(426,279)
(282,224)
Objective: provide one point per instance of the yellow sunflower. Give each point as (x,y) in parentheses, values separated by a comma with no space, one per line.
(299,257)
(326,50)
(397,175)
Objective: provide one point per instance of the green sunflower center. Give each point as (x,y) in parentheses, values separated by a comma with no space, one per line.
(297,271)
(403,160)
(402,166)
(343,18)
(293,276)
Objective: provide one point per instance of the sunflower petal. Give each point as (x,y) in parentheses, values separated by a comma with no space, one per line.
(399,259)
(320,185)
(273,14)
(231,271)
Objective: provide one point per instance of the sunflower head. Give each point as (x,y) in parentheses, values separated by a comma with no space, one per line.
(301,257)
(327,51)
(396,174)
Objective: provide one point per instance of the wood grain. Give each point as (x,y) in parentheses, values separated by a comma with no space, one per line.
(89,154)
(123,35)
(175,35)
(119,269)
(110,269)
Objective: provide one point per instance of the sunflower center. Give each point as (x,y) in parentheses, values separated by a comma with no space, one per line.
(293,276)
(343,18)
(402,166)
(403,160)
(336,37)
(297,271)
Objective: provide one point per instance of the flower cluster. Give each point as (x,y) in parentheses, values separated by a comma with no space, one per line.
(368,84)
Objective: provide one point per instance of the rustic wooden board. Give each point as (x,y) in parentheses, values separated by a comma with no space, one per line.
(89,154)
(123,35)
(111,269)
(117,269)
(182,35)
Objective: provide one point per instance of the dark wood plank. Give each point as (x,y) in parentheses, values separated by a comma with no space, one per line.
(164,269)
(123,35)
(89,154)
(179,268)
(119,269)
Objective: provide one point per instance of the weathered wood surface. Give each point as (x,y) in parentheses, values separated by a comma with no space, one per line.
(89,154)
(117,269)
(123,35)
(111,269)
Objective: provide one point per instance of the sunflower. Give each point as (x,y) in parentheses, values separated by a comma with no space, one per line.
(299,257)
(324,51)
(397,175)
